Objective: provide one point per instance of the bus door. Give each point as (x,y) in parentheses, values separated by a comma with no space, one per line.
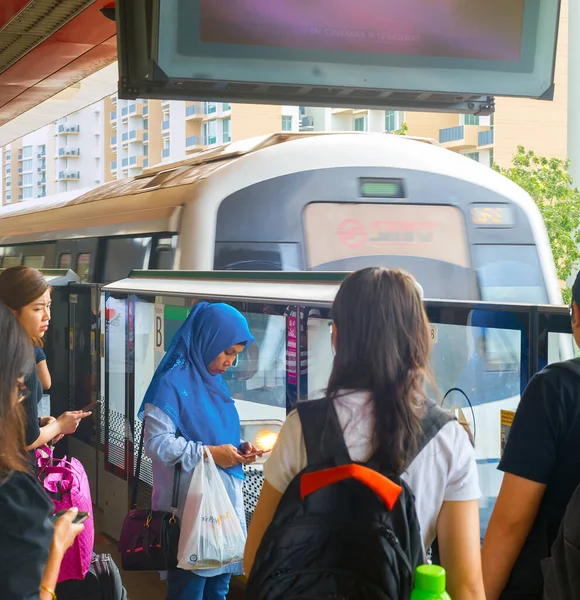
(84,344)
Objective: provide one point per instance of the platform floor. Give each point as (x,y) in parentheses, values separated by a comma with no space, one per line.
(140,585)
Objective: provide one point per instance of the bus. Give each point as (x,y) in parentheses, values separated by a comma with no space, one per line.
(301,201)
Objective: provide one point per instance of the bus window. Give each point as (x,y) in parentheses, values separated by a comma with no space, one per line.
(256,256)
(125,254)
(36,262)
(64,260)
(84,267)
(509,274)
(10,261)
(165,253)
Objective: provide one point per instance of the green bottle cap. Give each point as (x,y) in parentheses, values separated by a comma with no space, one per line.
(430,578)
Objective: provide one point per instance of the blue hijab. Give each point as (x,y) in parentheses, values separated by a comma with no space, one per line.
(198,403)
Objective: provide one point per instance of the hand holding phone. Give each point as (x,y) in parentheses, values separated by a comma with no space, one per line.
(91,406)
(257,453)
(80,518)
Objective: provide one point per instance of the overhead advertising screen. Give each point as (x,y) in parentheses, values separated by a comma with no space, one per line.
(416,54)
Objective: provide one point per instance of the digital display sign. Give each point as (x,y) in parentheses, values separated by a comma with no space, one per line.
(381,188)
(433,55)
(449,28)
(492,215)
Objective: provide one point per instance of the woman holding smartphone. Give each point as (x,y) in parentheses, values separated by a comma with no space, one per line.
(27,294)
(31,546)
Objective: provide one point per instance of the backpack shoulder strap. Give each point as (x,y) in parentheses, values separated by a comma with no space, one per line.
(433,420)
(322,432)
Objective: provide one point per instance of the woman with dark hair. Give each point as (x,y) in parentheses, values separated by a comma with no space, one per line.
(381,338)
(27,294)
(31,548)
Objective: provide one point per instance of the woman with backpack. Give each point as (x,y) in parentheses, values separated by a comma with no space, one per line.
(31,547)
(377,412)
(189,411)
(27,294)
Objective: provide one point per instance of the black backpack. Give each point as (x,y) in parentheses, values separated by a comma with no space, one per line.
(341,530)
(562,569)
(102,582)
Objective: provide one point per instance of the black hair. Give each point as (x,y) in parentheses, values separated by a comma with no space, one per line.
(383,346)
(16,361)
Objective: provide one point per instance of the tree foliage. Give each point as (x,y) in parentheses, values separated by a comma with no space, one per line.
(550,184)
(402,130)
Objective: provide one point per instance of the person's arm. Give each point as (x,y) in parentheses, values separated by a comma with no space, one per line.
(65,533)
(161,442)
(263,515)
(458,539)
(66,424)
(509,526)
(44,375)
(528,462)
(287,459)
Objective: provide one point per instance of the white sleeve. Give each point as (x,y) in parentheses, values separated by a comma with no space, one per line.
(288,456)
(463,481)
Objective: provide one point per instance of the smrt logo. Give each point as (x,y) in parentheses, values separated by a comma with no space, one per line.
(352,233)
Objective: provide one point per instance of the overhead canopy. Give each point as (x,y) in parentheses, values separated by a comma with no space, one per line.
(47,46)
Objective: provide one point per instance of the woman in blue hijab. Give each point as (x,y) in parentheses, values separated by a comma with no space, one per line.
(188,407)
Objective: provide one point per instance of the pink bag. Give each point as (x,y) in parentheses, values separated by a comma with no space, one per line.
(67,484)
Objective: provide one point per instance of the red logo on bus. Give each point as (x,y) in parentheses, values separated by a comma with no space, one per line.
(352,233)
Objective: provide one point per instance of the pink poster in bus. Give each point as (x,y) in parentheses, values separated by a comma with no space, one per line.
(468,29)
(291,348)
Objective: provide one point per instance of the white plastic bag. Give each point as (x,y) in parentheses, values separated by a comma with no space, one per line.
(211,534)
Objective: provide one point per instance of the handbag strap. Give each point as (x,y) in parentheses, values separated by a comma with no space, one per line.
(176,476)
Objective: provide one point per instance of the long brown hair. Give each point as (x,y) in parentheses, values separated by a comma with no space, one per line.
(16,360)
(383,346)
(20,286)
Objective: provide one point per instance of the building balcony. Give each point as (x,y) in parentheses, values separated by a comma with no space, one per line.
(165,152)
(145,136)
(41,154)
(145,111)
(485,138)
(125,163)
(342,110)
(136,109)
(306,123)
(113,116)
(136,135)
(136,162)
(41,168)
(68,175)
(114,140)
(69,152)
(460,137)
(20,169)
(195,111)
(193,142)
(20,184)
(8,170)
(66,129)
(113,165)
(20,157)
(210,140)
(165,125)
(125,112)
(41,182)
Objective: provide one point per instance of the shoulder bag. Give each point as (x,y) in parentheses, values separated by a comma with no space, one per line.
(149,538)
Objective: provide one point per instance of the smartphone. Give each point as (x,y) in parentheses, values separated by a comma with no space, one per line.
(80,518)
(252,454)
(91,405)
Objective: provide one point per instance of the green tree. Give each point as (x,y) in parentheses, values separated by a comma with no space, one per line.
(402,130)
(549,183)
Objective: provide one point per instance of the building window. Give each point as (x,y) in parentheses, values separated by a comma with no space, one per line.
(27,179)
(360,123)
(286,122)
(209,133)
(226,106)
(473,156)
(27,165)
(27,192)
(391,120)
(226,135)
(27,152)
(145,124)
(469,119)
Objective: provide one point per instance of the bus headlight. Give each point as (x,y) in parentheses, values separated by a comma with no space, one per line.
(263,434)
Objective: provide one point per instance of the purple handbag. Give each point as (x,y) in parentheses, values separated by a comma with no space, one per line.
(149,538)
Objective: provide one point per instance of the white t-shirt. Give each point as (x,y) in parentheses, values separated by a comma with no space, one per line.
(444,470)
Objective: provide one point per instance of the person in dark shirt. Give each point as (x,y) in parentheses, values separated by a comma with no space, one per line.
(541,465)
(31,547)
(27,294)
